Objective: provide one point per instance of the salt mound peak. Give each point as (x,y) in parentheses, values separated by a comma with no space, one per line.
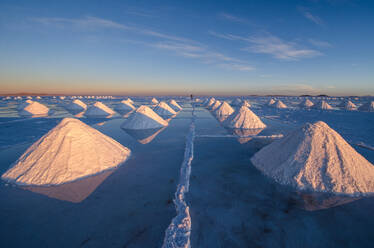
(244,118)
(164,109)
(154,101)
(369,106)
(98,109)
(144,118)
(34,108)
(215,105)
(224,109)
(125,105)
(316,158)
(236,102)
(348,105)
(322,105)
(306,104)
(129,100)
(210,102)
(246,104)
(279,104)
(24,104)
(72,150)
(77,105)
(175,105)
(271,102)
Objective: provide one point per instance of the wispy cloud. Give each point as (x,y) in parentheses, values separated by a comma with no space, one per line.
(232,18)
(272,45)
(319,43)
(311,17)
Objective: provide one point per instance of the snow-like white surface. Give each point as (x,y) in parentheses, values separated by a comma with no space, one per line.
(70,151)
(154,101)
(246,104)
(175,105)
(164,109)
(129,100)
(279,104)
(210,102)
(224,109)
(316,158)
(306,104)
(322,105)
(125,105)
(98,109)
(34,108)
(369,106)
(215,105)
(76,105)
(271,102)
(244,118)
(348,105)
(24,104)
(144,118)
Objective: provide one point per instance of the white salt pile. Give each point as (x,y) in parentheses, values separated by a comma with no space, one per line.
(210,102)
(215,105)
(144,118)
(130,100)
(34,108)
(322,105)
(125,105)
(154,101)
(279,104)
(224,110)
(244,118)
(369,106)
(98,109)
(271,102)
(306,104)
(24,104)
(175,105)
(164,110)
(246,104)
(316,158)
(348,105)
(76,105)
(70,151)
(236,102)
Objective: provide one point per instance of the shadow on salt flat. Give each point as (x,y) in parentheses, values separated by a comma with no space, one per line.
(144,136)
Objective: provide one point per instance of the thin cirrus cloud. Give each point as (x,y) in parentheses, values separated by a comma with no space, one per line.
(311,17)
(271,45)
(181,46)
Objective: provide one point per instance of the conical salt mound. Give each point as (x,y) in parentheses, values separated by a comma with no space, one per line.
(34,108)
(306,104)
(98,109)
(246,104)
(129,100)
(215,105)
(24,104)
(322,105)
(236,102)
(154,101)
(369,106)
(316,158)
(144,118)
(175,105)
(279,104)
(70,151)
(210,102)
(76,105)
(224,109)
(348,105)
(125,105)
(164,110)
(271,102)
(244,118)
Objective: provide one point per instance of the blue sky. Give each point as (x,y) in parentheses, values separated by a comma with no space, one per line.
(178,47)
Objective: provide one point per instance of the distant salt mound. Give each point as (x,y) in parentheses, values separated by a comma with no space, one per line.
(98,109)
(125,105)
(279,104)
(70,151)
(215,105)
(38,97)
(164,109)
(236,102)
(76,105)
(348,105)
(306,104)
(130,100)
(316,158)
(244,118)
(224,109)
(144,118)
(34,109)
(210,102)
(246,104)
(271,102)
(175,105)
(24,104)
(154,101)
(369,106)
(322,105)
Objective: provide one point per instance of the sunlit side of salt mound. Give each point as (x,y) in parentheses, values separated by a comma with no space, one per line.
(322,105)
(144,118)
(154,101)
(279,104)
(98,109)
(244,118)
(271,102)
(76,105)
(348,105)
(70,151)
(24,104)
(164,109)
(306,104)
(316,158)
(124,105)
(210,102)
(175,105)
(369,106)
(34,109)
(246,104)
(224,109)
(215,105)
